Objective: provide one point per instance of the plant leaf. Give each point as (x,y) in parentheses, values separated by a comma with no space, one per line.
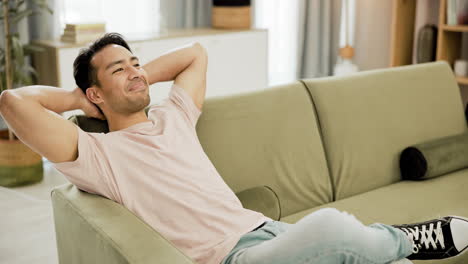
(20,15)
(43,5)
(12,10)
(22,79)
(17,51)
(19,3)
(2,84)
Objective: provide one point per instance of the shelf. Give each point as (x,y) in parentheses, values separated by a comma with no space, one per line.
(462,80)
(458,28)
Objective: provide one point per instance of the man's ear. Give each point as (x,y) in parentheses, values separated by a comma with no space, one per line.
(94,95)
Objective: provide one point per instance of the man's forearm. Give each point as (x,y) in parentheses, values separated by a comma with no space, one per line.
(52,98)
(169,65)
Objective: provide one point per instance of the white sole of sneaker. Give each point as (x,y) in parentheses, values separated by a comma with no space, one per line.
(402,261)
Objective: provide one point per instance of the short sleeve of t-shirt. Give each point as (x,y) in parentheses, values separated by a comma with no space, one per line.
(88,172)
(184,103)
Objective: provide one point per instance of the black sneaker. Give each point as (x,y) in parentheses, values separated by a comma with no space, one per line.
(437,239)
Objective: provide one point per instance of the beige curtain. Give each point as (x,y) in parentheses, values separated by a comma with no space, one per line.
(318,41)
(187,13)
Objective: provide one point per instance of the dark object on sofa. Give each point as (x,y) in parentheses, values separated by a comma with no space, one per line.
(466,113)
(93,125)
(435,157)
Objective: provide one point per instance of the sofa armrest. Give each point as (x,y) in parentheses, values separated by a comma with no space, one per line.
(93,229)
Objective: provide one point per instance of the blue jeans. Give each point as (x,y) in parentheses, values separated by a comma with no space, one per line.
(324,236)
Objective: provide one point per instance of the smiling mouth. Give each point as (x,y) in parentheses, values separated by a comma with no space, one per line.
(140,85)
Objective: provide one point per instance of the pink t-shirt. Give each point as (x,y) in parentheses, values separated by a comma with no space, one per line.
(159,171)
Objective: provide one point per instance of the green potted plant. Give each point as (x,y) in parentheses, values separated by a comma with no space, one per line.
(19,164)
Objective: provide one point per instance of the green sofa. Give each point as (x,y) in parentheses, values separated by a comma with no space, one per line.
(315,143)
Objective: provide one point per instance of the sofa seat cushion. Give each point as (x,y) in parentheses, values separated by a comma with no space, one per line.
(407,202)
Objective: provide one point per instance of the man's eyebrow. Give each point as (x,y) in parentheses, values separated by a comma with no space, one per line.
(119,61)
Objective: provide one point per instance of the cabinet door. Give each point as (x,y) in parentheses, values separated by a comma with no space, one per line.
(65,60)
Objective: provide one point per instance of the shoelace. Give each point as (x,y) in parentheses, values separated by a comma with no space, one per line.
(426,238)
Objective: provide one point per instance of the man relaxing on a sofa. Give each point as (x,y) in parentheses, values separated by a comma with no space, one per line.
(155,166)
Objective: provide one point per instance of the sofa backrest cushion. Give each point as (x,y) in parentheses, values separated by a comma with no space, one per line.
(268,137)
(368,118)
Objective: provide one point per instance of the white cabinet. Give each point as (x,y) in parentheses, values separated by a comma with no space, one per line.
(237,60)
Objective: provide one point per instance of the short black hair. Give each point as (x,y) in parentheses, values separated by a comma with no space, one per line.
(83,71)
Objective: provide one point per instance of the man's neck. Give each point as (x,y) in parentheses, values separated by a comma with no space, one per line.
(119,122)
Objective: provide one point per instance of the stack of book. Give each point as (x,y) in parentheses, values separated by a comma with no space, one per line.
(78,33)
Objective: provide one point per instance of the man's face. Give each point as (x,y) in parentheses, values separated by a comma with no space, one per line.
(124,87)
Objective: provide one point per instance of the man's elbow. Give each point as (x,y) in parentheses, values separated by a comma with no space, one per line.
(201,49)
(9,100)
(5,97)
